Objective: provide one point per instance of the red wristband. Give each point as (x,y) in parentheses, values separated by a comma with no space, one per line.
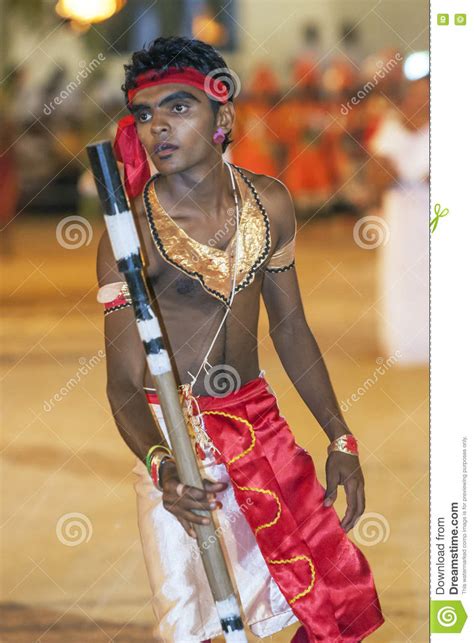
(346,443)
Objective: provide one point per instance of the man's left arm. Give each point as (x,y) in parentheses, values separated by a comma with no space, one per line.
(302,360)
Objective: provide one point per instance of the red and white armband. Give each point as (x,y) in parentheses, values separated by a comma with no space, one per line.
(114,297)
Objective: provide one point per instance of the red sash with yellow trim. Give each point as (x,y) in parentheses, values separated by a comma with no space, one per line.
(324,577)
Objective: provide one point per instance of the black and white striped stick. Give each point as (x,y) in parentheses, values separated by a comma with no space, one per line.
(126,248)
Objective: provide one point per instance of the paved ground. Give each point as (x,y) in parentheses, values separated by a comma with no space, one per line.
(85,580)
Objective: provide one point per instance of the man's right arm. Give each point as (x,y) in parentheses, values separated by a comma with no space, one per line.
(126,364)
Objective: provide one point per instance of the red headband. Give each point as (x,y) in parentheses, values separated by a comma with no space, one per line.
(214,88)
(127,146)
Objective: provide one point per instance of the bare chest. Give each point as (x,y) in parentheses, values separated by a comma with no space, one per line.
(222,259)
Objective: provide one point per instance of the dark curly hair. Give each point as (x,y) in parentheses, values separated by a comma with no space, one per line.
(179,52)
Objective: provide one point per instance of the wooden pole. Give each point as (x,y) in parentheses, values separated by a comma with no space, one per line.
(126,248)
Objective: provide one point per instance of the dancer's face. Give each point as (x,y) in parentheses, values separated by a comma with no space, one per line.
(181,117)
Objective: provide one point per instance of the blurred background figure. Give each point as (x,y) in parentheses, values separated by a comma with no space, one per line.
(255,141)
(401,146)
(351,44)
(307,168)
(305,68)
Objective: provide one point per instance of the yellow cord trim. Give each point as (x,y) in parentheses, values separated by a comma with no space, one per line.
(277,500)
(313,574)
(247,424)
(271,493)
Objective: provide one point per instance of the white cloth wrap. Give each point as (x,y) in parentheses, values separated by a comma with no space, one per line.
(181,599)
(228,608)
(122,234)
(109,292)
(149,329)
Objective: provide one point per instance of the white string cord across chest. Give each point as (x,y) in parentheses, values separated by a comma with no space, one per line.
(205,363)
(191,403)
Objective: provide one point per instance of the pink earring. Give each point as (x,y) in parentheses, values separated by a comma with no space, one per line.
(219,135)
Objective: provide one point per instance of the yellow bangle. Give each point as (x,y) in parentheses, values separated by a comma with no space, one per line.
(150,451)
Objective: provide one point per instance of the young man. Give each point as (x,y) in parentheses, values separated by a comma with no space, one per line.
(215,237)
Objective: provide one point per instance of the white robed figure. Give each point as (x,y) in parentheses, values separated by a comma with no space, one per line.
(401,143)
